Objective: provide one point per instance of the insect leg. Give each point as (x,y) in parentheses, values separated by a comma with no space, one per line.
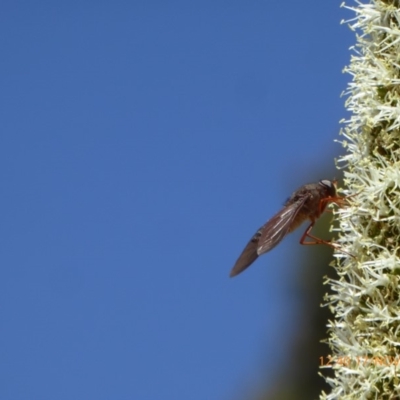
(316,240)
(319,241)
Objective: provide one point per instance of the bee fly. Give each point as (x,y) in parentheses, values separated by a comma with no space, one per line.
(307,202)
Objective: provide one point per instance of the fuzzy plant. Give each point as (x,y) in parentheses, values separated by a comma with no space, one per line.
(365,330)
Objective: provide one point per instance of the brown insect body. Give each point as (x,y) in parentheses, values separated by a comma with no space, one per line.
(314,206)
(307,202)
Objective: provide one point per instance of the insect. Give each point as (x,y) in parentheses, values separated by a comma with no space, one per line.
(307,202)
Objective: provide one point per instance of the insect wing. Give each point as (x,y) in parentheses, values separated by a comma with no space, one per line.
(248,256)
(278,226)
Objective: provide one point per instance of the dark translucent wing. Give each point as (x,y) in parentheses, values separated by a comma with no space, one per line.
(248,256)
(278,226)
(268,236)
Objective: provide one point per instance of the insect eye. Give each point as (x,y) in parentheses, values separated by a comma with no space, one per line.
(331,189)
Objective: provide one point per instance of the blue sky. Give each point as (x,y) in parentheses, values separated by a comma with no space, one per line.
(143,143)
